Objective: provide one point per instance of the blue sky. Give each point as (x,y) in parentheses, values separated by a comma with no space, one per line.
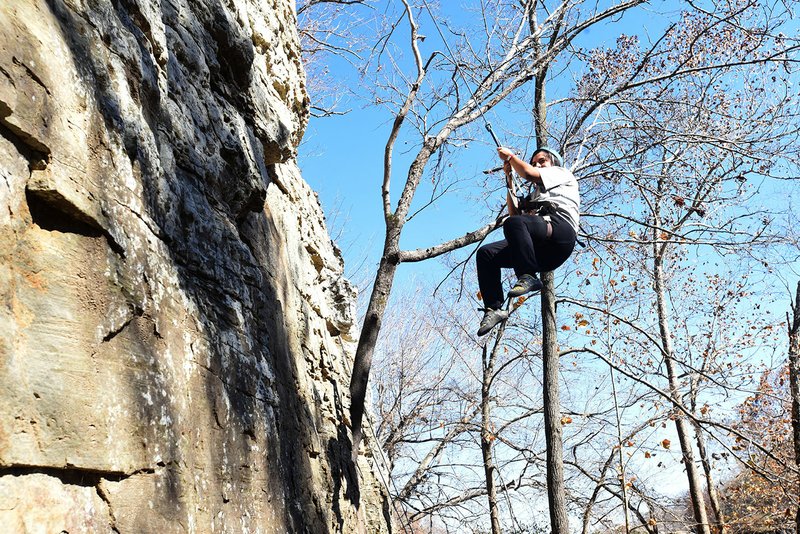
(342,156)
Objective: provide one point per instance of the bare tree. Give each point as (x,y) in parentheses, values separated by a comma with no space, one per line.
(657,129)
(506,67)
(763,492)
(436,391)
(684,152)
(327,34)
(489,359)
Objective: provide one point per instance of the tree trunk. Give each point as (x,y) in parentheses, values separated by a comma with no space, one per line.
(487,438)
(794,384)
(681,424)
(366,343)
(559,523)
(713,494)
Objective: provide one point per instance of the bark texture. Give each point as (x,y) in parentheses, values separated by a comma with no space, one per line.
(556,491)
(794,383)
(487,437)
(682,426)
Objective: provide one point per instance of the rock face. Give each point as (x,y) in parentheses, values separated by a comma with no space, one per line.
(175,330)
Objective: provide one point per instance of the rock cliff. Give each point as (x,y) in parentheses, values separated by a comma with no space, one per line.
(175,330)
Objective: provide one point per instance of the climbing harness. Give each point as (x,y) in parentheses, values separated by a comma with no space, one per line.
(486,122)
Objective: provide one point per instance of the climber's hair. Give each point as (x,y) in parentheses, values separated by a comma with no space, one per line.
(547,155)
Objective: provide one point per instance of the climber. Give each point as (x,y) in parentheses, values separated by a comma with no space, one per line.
(540,231)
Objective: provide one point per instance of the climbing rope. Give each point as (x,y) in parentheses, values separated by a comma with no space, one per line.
(457,66)
(487,124)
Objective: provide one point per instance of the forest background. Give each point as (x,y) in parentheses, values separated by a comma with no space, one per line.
(680,120)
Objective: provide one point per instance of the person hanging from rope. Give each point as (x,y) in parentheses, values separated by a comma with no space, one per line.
(540,232)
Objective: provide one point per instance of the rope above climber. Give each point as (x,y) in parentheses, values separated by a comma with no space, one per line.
(540,232)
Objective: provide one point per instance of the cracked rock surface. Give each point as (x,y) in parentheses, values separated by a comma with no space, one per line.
(175,329)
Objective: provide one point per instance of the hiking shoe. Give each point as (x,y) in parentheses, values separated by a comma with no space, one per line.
(490,319)
(525,284)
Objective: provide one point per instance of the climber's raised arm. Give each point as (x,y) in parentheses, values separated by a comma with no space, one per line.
(522,167)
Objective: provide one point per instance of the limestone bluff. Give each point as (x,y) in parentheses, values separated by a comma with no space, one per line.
(175,328)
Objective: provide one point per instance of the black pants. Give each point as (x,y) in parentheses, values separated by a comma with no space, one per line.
(526,249)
